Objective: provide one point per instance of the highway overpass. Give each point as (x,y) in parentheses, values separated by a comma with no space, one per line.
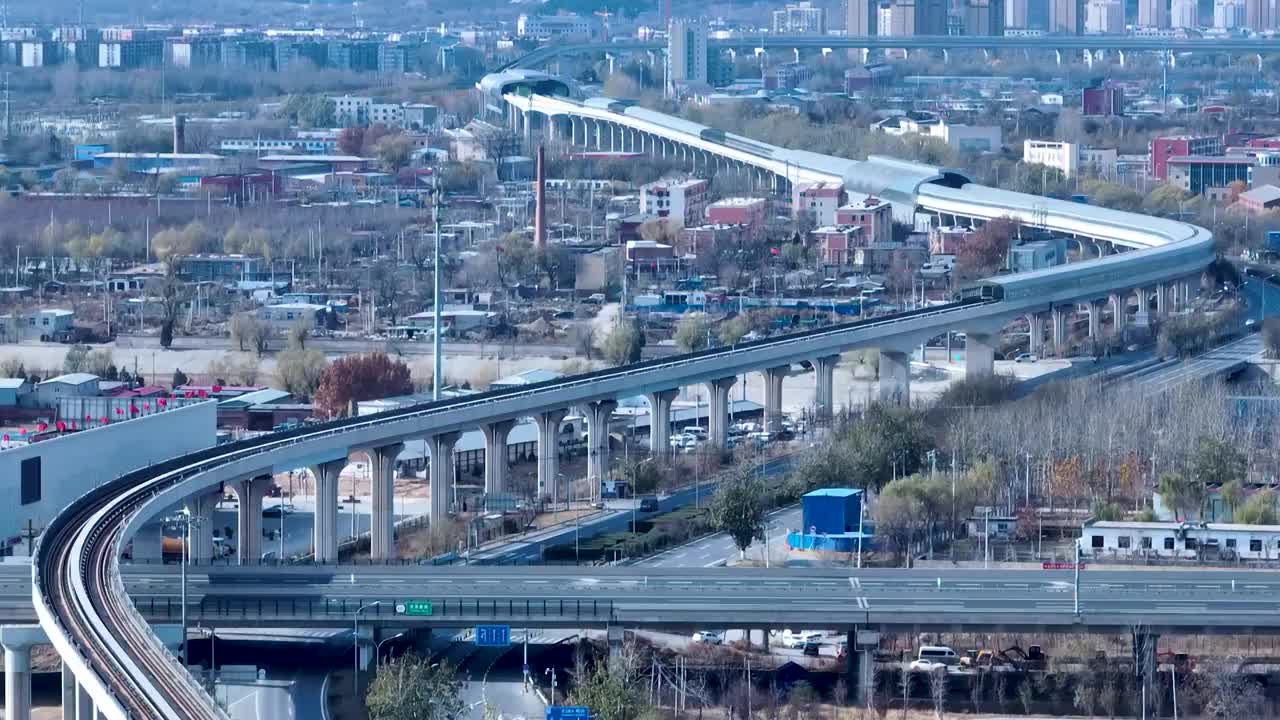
(123,670)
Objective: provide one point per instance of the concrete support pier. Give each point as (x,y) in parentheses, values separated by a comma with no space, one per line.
(549,453)
(382,531)
(440,446)
(895,378)
(495,455)
(1035,333)
(979,355)
(773,378)
(17,641)
(718,412)
(824,397)
(324,532)
(250,493)
(1058,320)
(200,530)
(598,415)
(1119,311)
(660,422)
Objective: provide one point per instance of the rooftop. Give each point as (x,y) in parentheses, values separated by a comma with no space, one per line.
(833,492)
(72,379)
(1262,194)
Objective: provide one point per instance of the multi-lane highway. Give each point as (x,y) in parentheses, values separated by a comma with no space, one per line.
(1186,600)
(718,549)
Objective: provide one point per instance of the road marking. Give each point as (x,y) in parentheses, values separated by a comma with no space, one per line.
(728,582)
(855,583)
(863,604)
(487,582)
(536,582)
(1209,587)
(679,582)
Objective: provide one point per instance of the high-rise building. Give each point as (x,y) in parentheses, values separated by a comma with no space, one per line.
(1153,13)
(984,17)
(1104,17)
(1259,15)
(860,18)
(915,17)
(1066,17)
(1228,14)
(1016,14)
(687,51)
(1184,14)
(802,18)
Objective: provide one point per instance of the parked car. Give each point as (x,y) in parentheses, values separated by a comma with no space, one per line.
(793,639)
(275,511)
(648,504)
(1026,358)
(708,637)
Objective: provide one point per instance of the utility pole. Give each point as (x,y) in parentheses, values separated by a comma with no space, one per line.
(8,115)
(437,365)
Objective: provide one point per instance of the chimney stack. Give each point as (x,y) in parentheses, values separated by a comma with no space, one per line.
(540,202)
(179,134)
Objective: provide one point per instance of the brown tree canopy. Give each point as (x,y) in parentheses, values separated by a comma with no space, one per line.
(360,377)
(984,252)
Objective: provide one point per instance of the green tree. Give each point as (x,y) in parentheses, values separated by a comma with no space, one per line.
(733,330)
(1217,461)
(622,345)
(1259,509)
(610,695)
(1232,494)
(691,333)
(414,688)
(393,152)
(738,507)
(1165,200)
(299,371)
(76,360)
(1181,494)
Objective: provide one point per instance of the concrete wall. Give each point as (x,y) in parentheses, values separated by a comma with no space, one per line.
(74,464)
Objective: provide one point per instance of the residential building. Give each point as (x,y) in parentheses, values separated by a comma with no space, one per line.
(1184,14)
(1228,14)
(682,201)
(984,17)
(1104,17)
(38,324)
(1066,17)
(1099,162)
(16,392)
(945,240)
(705,240)
(1259,15)
(558,27)
(220,268)
(747,213)
(836,245)
(965,138)
(873,215)
(787,76)
(1260,199)
(1062,156)
(820,201)
(281,318)
(802,18)
(1167,146)
(1017,14)
(1153,14)
(349,111)
(907,18)
(1104,100)
(868,77)
(1184,540)
(70,384)
(860,18)
(687,51)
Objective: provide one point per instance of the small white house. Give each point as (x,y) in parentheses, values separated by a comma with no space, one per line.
(1189,540)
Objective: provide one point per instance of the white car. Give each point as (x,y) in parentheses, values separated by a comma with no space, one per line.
(799,639)
(1026,358)
(708,637)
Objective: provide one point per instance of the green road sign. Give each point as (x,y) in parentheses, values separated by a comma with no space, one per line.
(414,607)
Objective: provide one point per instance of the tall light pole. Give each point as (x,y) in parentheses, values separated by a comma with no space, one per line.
(188,522)
(355,645)
(437,365)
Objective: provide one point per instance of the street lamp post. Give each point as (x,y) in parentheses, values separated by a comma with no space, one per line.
(188,522)
(355,645)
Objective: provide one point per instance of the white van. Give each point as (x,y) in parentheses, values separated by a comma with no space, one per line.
(933,657)
(797,639)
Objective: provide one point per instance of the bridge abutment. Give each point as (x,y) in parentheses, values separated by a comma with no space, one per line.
(17,641)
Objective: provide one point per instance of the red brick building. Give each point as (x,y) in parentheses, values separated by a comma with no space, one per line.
(750,213)
(874,215)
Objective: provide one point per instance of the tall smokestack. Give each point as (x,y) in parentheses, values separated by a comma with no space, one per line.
(179,134)
(540,202)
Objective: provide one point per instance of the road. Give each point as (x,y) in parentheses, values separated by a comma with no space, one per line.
(1220,360)
(656,598)
(719,548)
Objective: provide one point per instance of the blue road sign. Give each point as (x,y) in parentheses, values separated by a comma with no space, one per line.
(493,635)
(568,712)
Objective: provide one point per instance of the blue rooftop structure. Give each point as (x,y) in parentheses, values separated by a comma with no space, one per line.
(832,521)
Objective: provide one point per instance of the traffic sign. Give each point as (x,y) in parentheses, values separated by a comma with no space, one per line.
(568,712)
(493,635)
(414,607)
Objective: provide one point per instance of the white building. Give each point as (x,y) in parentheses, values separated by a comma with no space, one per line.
(1104,17)
(1184,14)
(1188,540)
(1228,14)
(1100,162)
(965,138)
(687,52)
(349,111)
(802,18)
(71,384)
(558,27)
(1063,156)
(681,201)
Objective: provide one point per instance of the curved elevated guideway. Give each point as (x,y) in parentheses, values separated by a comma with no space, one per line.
(125,671)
